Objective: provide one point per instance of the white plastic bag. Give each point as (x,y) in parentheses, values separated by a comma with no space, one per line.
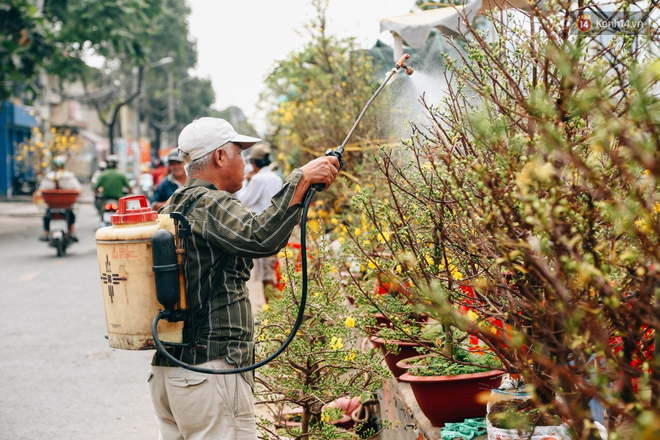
(540,433)
(560,432)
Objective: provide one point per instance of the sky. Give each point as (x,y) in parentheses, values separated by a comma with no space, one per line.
(238,41)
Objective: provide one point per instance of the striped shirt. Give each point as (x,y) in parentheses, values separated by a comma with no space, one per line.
(222,226)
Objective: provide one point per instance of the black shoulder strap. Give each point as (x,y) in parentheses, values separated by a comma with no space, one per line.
(184,230)
(182,223)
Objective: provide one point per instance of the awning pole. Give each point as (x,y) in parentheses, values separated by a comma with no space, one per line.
(398,46)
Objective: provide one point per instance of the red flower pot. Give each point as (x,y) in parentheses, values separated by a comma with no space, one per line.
(384,321)
(60,198)
(407,350)
(445,399)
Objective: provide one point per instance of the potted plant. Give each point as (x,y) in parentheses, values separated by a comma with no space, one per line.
(323,363)
(396,350)
(519,419)
(451,390)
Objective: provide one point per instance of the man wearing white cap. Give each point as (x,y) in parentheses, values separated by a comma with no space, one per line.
(226,238)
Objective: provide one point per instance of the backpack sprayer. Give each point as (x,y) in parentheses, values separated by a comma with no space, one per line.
(128,269)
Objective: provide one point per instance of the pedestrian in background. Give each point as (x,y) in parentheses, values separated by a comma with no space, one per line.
(174,180)
(226,237)
(259,187)
(158,172)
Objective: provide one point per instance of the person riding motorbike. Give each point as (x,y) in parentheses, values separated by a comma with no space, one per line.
(59,178)
(112,183)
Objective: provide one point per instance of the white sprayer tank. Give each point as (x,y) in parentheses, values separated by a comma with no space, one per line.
(127,278)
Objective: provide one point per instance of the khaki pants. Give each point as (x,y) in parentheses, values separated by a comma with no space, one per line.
(196,406)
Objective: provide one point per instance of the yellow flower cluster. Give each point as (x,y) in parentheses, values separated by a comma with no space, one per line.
(285,253)
(643,224)
(336,343)
(37,152)
(350,357)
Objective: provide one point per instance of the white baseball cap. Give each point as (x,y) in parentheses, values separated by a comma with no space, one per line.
(205,135)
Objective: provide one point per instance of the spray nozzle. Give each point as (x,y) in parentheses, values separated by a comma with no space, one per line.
(401,64)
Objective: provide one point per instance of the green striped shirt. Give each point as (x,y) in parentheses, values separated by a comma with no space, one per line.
(221,225)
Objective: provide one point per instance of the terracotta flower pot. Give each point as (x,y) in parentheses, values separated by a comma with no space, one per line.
(384,321)
(445,399)
(391,359)
(59,198)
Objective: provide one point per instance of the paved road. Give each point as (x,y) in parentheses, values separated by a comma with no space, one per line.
(60,379)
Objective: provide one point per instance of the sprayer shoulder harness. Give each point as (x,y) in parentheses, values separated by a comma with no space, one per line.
(184,232)
(190,337)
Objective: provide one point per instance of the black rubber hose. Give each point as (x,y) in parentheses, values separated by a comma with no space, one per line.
(294,330)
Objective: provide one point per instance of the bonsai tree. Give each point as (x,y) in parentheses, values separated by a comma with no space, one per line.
(529,203)
(322,364)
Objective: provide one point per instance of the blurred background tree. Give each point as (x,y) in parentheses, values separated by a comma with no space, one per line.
(130,37)
(315,95)
(172,98)
(57,35)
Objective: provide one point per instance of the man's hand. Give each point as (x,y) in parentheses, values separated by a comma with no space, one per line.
(321,170)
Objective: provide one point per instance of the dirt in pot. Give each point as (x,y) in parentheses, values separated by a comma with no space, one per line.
(520,414)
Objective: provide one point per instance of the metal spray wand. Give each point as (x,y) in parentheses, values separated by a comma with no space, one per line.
(339,151)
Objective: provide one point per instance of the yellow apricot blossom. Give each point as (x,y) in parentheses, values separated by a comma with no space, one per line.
(336,343)
(285,253)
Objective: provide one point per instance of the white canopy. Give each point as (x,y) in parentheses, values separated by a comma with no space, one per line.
(414,28)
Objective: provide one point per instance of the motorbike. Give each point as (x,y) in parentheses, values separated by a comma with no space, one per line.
(108,209)
(60,202)
(59,237)
(24,185)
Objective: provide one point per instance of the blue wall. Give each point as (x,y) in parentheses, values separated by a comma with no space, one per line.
(16,124)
